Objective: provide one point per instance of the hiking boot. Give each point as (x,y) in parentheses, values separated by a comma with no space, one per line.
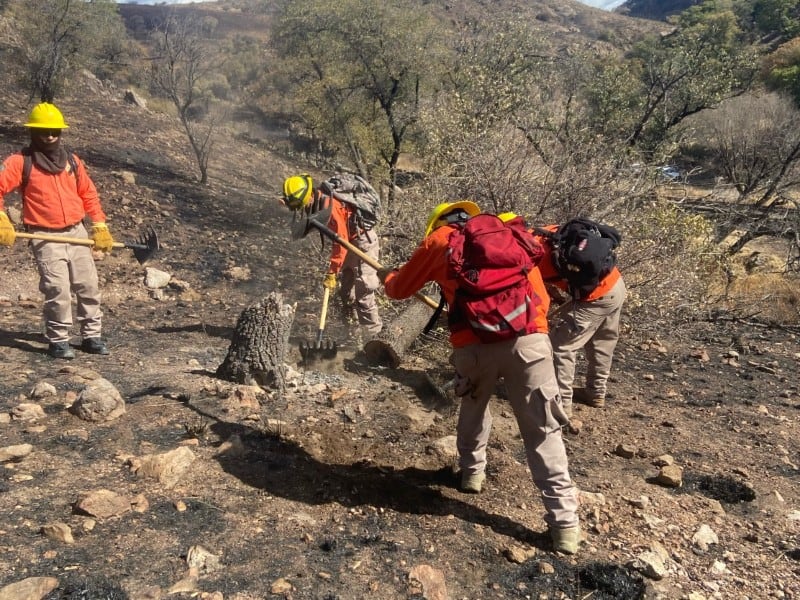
(94,345)
(472,483)
(566,540)
(582,396)
(61,350)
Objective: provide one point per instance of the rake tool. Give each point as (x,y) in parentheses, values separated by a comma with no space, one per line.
(316,216)
(145,246)
(323,349)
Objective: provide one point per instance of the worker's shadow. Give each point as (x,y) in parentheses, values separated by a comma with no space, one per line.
(282,468)
(207,329)
(21,341)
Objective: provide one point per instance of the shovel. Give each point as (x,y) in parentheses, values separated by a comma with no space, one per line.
(320,349)
(143,248)
(316,216)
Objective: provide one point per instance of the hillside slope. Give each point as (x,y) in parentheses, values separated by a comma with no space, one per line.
(341,486)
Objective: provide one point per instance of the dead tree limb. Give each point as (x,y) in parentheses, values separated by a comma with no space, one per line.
(389,347)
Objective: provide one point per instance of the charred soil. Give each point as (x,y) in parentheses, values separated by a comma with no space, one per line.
(339,486)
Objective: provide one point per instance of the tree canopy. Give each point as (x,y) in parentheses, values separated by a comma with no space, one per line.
(49,39)
(356,72)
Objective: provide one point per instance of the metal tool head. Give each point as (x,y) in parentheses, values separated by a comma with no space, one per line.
(304,220)
(321,350)
(146,245)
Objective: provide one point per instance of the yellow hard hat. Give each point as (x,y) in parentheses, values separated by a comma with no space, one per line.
(297,191)
(505,217)
(46,116)
(439,214)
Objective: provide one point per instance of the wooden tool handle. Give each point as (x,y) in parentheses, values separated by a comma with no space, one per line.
(62,239)
(367,259)
(326,294)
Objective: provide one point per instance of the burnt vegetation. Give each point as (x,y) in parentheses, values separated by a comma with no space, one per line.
(331,485)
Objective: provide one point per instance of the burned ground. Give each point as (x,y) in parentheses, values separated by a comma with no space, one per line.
(335,487)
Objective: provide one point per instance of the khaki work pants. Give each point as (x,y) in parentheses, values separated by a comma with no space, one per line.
(358,282)
(593,326)
(66,269)
(526,365)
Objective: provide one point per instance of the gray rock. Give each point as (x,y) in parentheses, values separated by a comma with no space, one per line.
(43,390)
(155,279)
(99,402)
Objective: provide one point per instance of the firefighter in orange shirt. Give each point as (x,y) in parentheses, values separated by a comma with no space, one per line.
(590,322)
(358,279)
(524,362)
(56,198)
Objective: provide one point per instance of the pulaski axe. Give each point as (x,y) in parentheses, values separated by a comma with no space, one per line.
(316,216)
(145,246)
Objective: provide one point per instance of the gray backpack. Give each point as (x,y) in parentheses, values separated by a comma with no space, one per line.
(356,191)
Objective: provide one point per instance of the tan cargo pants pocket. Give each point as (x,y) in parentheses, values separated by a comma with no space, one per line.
(551,400)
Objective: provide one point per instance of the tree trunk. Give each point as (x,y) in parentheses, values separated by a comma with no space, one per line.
(394,340)
(257,353)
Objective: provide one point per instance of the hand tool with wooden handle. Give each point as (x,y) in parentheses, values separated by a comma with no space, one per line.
(143,249)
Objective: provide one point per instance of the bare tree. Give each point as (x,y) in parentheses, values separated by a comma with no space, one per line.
(754,142)
(184,61)
(357,72)
(48,39)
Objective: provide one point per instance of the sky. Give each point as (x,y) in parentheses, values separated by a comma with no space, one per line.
(605,4)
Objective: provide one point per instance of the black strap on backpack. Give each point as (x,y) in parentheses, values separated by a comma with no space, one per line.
(436,313)
(27,166)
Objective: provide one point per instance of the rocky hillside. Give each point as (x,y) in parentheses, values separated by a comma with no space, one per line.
(143,476)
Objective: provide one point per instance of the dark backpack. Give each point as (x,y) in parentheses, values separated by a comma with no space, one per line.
(584,253)
(490,259)
(356,191)
(27,165)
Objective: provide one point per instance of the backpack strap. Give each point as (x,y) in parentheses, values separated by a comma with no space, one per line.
(73,164)
(544,232)
(436,313)
(27,166)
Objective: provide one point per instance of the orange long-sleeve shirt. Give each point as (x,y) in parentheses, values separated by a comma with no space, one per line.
(429,263)
(52,200)
(551,275)
(339,223)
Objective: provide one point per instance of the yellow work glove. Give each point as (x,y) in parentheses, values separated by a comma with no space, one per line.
(7,233)
(102,237)
(329,281)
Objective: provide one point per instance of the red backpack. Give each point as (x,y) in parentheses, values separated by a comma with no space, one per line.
(490,259)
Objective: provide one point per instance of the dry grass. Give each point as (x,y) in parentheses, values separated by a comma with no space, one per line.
(763,293)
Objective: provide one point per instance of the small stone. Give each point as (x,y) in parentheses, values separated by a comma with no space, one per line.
(625,451)
(670,476)
(58,531)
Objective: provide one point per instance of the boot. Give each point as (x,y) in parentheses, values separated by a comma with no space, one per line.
(582,396)
(472,483)
(566,540)
(61,350)
(94,345)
